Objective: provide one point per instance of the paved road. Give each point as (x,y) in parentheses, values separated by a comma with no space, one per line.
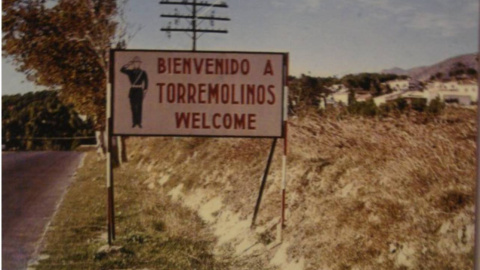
(32,185)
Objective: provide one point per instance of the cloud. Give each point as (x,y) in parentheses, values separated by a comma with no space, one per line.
(440,17)
(434,17)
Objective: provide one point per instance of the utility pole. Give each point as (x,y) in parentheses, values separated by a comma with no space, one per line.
(195,17)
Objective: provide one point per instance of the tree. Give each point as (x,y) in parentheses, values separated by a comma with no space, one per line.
(419,104)
(37,115)
(401,104)
(369,81)
(436,106)
(375,88)
(64,47)
(364,108)
(438,76)
(309,89)
(388,89)
(471,72)
(351,97)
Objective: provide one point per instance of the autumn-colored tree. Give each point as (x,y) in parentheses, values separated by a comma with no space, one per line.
(64,46)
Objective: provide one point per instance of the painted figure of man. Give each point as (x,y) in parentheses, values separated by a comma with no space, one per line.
(138,88)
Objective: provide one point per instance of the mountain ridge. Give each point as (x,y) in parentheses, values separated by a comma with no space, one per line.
(423,73)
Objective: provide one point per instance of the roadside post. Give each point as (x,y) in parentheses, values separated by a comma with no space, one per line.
(477,193)
(197,94)
(109,174)
(285,151)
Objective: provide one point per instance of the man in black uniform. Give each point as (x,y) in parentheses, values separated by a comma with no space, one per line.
(139,84)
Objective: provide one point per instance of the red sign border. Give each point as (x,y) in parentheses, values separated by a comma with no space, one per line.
(112,96)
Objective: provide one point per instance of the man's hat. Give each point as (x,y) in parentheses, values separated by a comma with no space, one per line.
(136,59)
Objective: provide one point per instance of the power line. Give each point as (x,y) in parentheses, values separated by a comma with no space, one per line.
(193,18)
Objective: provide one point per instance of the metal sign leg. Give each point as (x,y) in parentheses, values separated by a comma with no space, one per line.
(264,180)
(109,172)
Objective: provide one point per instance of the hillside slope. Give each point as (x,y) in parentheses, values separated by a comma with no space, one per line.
(425,72)
(363,193)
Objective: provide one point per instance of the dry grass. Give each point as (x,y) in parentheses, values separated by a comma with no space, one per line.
(363,193)
(153,231)
(390,183)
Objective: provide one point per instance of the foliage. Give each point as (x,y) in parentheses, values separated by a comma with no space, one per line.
(436,106)
(400,105)
(419,105)
(63,47)
(437,76)
(370,81)
(308,91)
(351,96)
(459,69)
(40,115)
(364,108)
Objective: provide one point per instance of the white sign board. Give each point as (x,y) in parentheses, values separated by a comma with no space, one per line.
(180,93)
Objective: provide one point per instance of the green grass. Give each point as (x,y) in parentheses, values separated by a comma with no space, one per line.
(152,231)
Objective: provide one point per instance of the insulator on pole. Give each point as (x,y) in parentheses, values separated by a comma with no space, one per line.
(193,18)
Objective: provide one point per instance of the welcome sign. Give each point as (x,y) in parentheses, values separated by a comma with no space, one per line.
(182,93)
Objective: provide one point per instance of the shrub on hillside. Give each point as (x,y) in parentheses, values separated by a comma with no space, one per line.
(364,108)
(436,106)
(419,105)
(368,108)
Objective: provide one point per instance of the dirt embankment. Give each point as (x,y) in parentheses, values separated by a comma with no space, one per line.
(363,193)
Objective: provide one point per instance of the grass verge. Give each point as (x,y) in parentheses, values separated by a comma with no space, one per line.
(152,231)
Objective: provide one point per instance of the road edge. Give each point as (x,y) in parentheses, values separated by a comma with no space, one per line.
(39,246)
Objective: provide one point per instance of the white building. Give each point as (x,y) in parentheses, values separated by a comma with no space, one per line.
(379,100)
(341,97)
(461,92)
(419,95)
(340,94)
(398,85)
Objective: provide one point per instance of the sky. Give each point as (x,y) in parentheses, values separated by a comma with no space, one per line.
(322,37)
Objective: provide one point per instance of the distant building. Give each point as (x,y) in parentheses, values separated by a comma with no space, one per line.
(462,92)
(379,100)
(361,97)
(337,88)
(398,85)
(410,96)
(339,94)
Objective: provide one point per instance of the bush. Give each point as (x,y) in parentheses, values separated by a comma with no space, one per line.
(364,108)
(435,107)
(400,104)
(419,105)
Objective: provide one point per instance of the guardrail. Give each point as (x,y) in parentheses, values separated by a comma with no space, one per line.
(52,138)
